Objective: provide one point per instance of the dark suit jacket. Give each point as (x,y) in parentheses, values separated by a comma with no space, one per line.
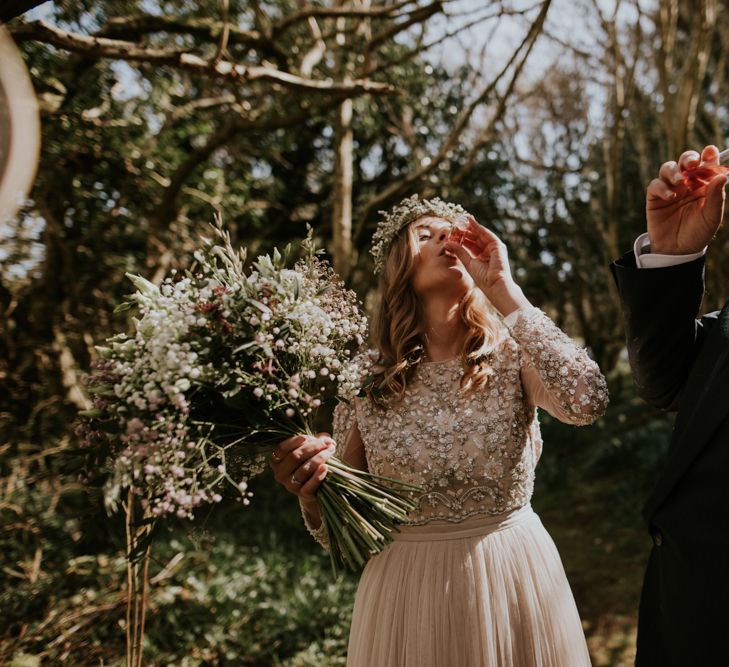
(681,363)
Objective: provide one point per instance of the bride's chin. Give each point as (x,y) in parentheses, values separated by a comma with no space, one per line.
(459,269)
(458,278)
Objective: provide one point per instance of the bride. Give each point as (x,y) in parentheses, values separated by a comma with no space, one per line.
(463,363)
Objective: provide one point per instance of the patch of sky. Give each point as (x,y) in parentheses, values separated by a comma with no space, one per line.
(561,209)
(400,148)
(573,161)
(20,248)
(151,7)
(372,161)
(130,82)
(42,12)
(547,258)
(261,170)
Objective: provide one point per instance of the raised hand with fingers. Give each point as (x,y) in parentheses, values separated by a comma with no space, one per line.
(681,221)
(485,258)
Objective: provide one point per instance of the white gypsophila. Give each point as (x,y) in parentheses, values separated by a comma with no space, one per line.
(223,365)
(284,338)
(154,369)
(160,360)
(298,313)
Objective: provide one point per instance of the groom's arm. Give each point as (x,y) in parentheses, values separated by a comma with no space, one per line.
(660,308)
(661,304)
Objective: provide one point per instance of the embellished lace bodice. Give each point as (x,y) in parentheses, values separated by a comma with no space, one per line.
(476,452)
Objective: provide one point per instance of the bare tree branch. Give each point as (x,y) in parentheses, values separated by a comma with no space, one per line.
(525,48)
(419,15)
(314,55)
(185,110)
(455,134)
(132,27)
(102,47)
(225,33)
(210,29)
(336,12)
(580,53)
(420,48)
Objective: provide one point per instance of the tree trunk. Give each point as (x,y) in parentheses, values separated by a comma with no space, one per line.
(342,208)
(343,172)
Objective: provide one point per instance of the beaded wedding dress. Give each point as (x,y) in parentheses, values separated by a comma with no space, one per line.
(474,579)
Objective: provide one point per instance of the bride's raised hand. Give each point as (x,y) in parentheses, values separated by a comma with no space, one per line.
(681,221)
(485,257)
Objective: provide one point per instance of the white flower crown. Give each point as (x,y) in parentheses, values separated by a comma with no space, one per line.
(401,215)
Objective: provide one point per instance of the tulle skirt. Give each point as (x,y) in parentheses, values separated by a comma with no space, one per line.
(489,591)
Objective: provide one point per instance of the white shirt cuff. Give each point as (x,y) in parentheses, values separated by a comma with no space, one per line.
(650,260)
(511,318)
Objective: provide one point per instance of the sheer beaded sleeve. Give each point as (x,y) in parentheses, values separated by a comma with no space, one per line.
(349,449)
(320,533)
(345,432)
(557,374)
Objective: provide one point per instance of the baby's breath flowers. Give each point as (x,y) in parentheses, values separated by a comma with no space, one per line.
(224,363)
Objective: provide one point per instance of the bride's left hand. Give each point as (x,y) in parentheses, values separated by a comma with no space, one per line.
(485,257)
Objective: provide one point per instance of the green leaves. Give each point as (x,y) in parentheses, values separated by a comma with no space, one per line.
(144,287)
(261,306)
(137,551)
(93,413)
(249,346)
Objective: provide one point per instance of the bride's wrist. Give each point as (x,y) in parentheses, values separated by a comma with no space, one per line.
(508,298)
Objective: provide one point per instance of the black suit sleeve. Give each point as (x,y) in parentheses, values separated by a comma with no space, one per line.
(663,334)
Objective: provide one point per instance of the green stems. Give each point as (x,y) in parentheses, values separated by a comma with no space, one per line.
(360,510)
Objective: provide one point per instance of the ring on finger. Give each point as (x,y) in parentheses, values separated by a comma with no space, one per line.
(276,458)
(295,481)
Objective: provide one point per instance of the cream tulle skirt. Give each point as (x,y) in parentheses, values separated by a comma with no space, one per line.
(489,591)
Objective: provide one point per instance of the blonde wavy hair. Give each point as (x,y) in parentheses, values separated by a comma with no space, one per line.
(397,327)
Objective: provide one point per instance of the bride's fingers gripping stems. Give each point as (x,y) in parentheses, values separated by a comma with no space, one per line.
(298,463)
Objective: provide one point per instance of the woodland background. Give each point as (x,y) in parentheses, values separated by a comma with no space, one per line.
(545,118)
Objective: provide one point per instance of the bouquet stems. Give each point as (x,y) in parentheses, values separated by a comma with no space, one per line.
(137,582)
(360,510)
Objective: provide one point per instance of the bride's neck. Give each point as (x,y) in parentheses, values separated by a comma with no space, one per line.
(443,328)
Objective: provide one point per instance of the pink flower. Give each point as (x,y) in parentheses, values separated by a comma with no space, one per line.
(135,425)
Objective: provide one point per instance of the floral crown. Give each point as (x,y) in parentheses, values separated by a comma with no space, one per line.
(404,213)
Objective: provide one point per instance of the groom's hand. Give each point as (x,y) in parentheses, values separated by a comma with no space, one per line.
(681,222)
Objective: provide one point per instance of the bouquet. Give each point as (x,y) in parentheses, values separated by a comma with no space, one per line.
(225,363)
